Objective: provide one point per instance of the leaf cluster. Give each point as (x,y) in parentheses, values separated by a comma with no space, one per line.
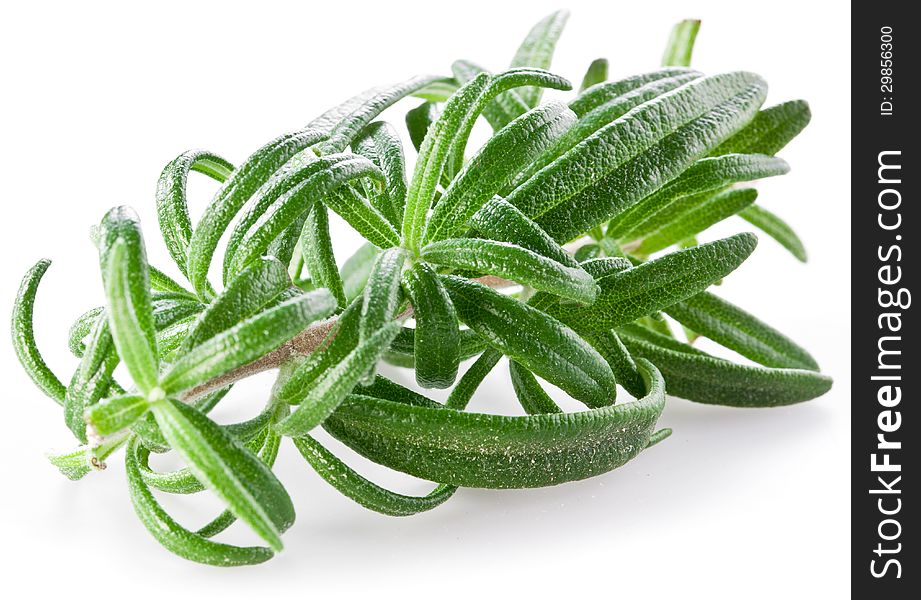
(544,245)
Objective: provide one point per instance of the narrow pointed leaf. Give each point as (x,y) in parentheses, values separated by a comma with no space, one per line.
(116,413)
(514,263)
(532,397)
(419,120)
(537,341)
(234,193)
(436,337)
(356,270)
(247,341)
(380,144)
(652,286)
(124,264)
(770,130)
(317,249)
(507,153)
(710,380)
(729,325)
(681,44)
(382,295)
(696,217)
(494,451)
(638,153)
(243,482)
(251,291)
(361,490)
(537,50)
(706,175)
(172,203)
(498,220)
(596,73)
(775,227)
(24,335)
(319,399)
(610,346)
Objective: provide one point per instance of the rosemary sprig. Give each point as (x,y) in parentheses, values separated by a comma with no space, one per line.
(626,169)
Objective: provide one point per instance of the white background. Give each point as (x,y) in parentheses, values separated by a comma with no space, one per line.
(737,503)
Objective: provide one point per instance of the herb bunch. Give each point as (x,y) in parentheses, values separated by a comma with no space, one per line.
(472,249)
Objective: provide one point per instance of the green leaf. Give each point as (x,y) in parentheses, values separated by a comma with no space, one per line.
(350,118)
(247,341)
(605,103)
(124,266)
(419,120)
(92,379)
(382,295)
(638,153)
(243,482)
(381,144)
(463,392)
(436,338)
(706,175)
(321,397)
(514,263)
(770,130)
(537,51)
(317,249)
(537,341)
(364,492)
(116,413)
(292,194)
(775,227)
(696,217)
(356,270)
(251,291)
(498,220)
(532,397)
(433,156)
(625,369)
(652,286)
(596,73)
(176,538)
(24,335)
(493,167)
(402,349)
(681,43)
(485,450)
(233,195)
(363,217)
(730,326)
(703,378)
(172,203)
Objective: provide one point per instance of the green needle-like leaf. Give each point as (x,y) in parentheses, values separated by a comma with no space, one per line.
(729,325)
(498,220)
(537,51)
(483,450)
(380,144)
(596,73)
(356,270)
(236,191)
(696,217)
(317,249)
(516,264)
(24,335)
(172,203)
(770,130)
(251,291)
(532,397)
(124,265)
(364,492)
(681,44)
(321,397)
(636,292)
(116,413)
(610,346)
(537,341)
(504,156)
(638,153)
(437,341)
(382,295)
(247,341)
(777,228)
(710,380)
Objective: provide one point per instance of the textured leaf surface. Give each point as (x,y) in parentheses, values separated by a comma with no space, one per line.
(777,228)
(24,336)
(436,340)
(482,450)
(537,50)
